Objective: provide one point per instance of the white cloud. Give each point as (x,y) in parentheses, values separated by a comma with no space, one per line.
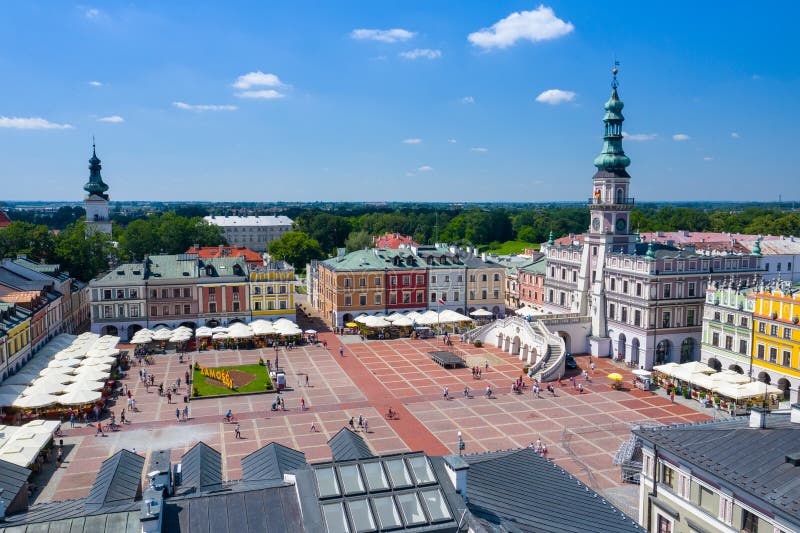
(204,107)
(452,141)
(263,94)
(639,136)
(538,25)
(680,137)
(424,53)
(734,135)
(479,149)
(257,79)
(708,158)
(387,36)
(555,96)
(412,141)
(95,83)
(425,168)
(113,119)
(410,174)
(468,100)
(31,123)
(91,13)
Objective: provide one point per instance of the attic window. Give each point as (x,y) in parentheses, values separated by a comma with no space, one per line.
(120,272)
(137,272)
(185,273)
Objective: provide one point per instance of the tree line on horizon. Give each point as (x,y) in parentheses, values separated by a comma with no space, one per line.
(318,233)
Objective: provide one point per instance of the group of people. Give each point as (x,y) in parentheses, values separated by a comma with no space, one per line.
(362,424)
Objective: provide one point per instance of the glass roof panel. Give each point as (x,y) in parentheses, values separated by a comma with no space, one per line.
(351,479)
(422,469)
(375,476)
(361,516)
(411,508)
(437,507)
(326,482)
(335,519)
(398,473)
(387,514)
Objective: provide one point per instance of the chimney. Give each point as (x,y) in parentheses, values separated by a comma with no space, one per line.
(457,469)
(150,514)
(795,416)
(758,418)
(160,470)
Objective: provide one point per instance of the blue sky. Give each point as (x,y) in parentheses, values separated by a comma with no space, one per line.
(401,100)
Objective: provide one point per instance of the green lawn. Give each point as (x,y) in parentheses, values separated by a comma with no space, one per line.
(509,247)
(260,383)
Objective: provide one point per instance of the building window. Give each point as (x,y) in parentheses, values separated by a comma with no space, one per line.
(472,277)
(613,284)
(362,299)
(446,278)
(420,279)
(420,297)
(690,317)
(377,299)
(433,297)
(484,277)
(773,355)
(270,306)
(743,322)
(666,319)
(165,310)
(108,311)
(728,342)
(716,316)
(624,287)
(257,306)
(773,330)
(348,301)
(742,346)
(392,299)
(471,295)
(362,282)
(282,289)
(187,292)
(212,291)
(433,279)
(691,290)
(153,293)
(406,281)
(107,294)
(749,522)
(455,296)
(347,282)
(637,318)
(120,294)
(176,293)
(256,290)
(623,314)
(762,328)
(638,289)
(377,282)
(483,294)
(497,277)
(787,333)
(715,339)
(760,351)
(668,476)
(393,281)
(611,309)
(165,293)
(133,311)
(236,307)
(787,358)
(283,304)
(134,293)
(667,290)
(406,297)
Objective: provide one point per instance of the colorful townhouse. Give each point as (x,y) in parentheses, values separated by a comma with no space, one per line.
(727,337)
(15,340)
(531,283)
(382,280)
(222,289)
(272,288)
(776,337)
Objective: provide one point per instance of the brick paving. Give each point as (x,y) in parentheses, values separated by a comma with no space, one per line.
(582,431)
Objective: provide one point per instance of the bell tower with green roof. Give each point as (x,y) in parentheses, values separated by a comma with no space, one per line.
(96,201)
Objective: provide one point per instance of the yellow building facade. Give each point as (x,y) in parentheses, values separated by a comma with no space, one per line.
(776,340)
(272,288)
(15,338)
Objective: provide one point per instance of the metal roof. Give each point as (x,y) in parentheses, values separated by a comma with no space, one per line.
(523,491)
(347,446)
(121,522)
(750,459)
(12,479)
(271,462)
(117,482)
(263,220)
(201,468)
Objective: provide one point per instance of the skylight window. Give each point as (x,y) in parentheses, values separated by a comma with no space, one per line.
(387,514)
(437,507)
(376,478)
(351,479)
(398,473)
(422,470)
(411,508)
(335,519)
(361,516)
(326,482)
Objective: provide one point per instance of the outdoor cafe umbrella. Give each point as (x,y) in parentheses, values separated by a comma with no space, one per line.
(35,401)
(162,335)
(84,385)
(141,340)
(99,361)
(240,331)
(63,355)
(262,327)
(203,331)
(220,329)
(403,322)
(615,376)
(221,335)
(362,319)
(481,313)
(96,372)
(311,332)
(61,371)
(351,324)
(44,387)
(79,397)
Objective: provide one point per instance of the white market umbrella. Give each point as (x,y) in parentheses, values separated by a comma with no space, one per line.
(428,318)
(50,371)
(64,363)
(102,352)
(141,340)
(240,331)
(84,385)
(93,372)
(79,397)
(403,322)
(162,335)
(377,322)
(53,378)
(413,315)
(362,319)
(203,331)
(64,355)
(526,312)
(181,336)
(395,316)
(481,313)
(262,327)
(44,387)
(696,366)
(220,329)
(668,368)
(311,332)
(220,336)
(99,361)
(35,401)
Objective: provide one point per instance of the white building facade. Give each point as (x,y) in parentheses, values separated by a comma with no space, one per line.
(254,232)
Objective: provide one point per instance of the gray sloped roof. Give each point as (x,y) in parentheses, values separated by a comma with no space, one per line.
(347,446)
(525,492)
(266,510)
(271,462)
(117,522)
(117,482)
(12,479)
(750,459)
(201,468)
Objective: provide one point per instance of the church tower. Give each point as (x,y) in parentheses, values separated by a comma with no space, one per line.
(609,231)
(96,201)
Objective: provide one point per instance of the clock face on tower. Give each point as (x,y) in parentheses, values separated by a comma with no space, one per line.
(621,225)
(596,224)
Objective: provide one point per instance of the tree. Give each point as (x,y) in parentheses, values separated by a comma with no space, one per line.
(25,238)
(296,248)
(168,234)
(358,240)
(84,257)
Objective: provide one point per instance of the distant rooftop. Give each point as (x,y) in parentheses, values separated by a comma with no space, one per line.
(265,220)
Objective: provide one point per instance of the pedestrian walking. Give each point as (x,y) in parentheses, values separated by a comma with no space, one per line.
(178,383)
(446,393)
(302,404)
(133,404)
(487,365)
(672,395)
(360,421)
(366,426)
(306,380)
(186,413)
(352,424)
(341,351)
(59,456)
(238,431)
(325,344)
(591,366)
(313,428)
(186,376)
(169,397)
(572,380)
(122,416)
(580,388)
(177,414)
(72,420)
(99,430)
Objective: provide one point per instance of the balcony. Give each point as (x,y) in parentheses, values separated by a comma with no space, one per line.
(617,203)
